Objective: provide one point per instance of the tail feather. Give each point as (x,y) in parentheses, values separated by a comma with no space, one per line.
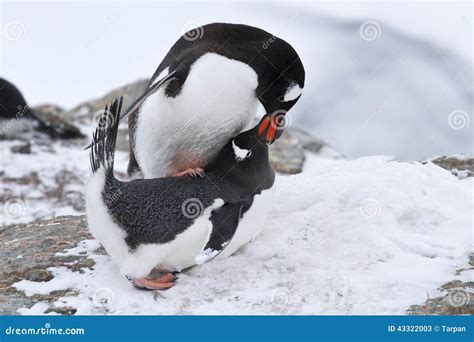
(104,138)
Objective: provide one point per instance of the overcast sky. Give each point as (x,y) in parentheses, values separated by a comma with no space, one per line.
(66,52)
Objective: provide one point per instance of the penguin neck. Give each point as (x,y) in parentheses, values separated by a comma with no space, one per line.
(244,162)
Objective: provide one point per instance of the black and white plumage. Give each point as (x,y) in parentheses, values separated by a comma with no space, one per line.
(206,91)
(176,222)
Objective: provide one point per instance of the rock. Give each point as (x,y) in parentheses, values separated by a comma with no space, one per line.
(18,118)
(28,250)
(49,108)
(85,111)
(461,166)
(23,148)
(457,300)
(52,123)
(287,154)
(312,144)
(12,103)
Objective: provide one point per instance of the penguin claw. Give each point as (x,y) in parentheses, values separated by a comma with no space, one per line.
(194,172)
(164,282)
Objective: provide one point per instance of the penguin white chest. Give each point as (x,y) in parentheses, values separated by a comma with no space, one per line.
(251,224)
(216,102)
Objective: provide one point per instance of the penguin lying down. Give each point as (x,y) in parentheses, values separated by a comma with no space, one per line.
(170,224)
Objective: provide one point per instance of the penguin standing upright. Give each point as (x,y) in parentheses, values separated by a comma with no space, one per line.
(206,90)
(176,222)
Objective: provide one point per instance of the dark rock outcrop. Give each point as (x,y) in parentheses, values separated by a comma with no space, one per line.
(53,124)
(18,119)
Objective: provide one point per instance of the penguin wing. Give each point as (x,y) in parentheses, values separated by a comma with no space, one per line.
(150,91)
(225,221)
(157,85)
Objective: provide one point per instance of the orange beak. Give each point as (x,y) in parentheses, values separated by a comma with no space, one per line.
(270,124)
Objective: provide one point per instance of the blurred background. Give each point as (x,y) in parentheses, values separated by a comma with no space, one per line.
(383,78)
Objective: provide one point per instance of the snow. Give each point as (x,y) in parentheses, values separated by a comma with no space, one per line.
(363,236)
(48,182)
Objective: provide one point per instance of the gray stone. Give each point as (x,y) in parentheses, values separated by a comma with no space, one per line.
(23,148)
(86,111)
(460,166)
(52,122)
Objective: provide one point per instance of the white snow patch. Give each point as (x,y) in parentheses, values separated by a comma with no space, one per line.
(366,236)
(48,167)
(82,248)
(37,309)
(205,255)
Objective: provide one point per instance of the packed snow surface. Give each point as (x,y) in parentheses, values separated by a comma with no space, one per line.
(364,236)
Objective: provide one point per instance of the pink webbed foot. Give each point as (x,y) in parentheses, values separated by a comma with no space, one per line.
(162,283)
(193,172)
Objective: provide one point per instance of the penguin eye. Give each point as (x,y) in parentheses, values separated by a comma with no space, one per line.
(249,153)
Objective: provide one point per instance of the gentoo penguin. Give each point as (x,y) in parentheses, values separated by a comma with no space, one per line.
(174,223)
(207,90)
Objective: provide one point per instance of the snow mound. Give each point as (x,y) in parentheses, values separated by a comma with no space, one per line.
(365,236)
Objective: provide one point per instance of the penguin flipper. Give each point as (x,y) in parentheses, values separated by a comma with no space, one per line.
(225,221)
(150,91)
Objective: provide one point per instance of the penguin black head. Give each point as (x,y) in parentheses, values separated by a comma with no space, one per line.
(251,145)
(281,81)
